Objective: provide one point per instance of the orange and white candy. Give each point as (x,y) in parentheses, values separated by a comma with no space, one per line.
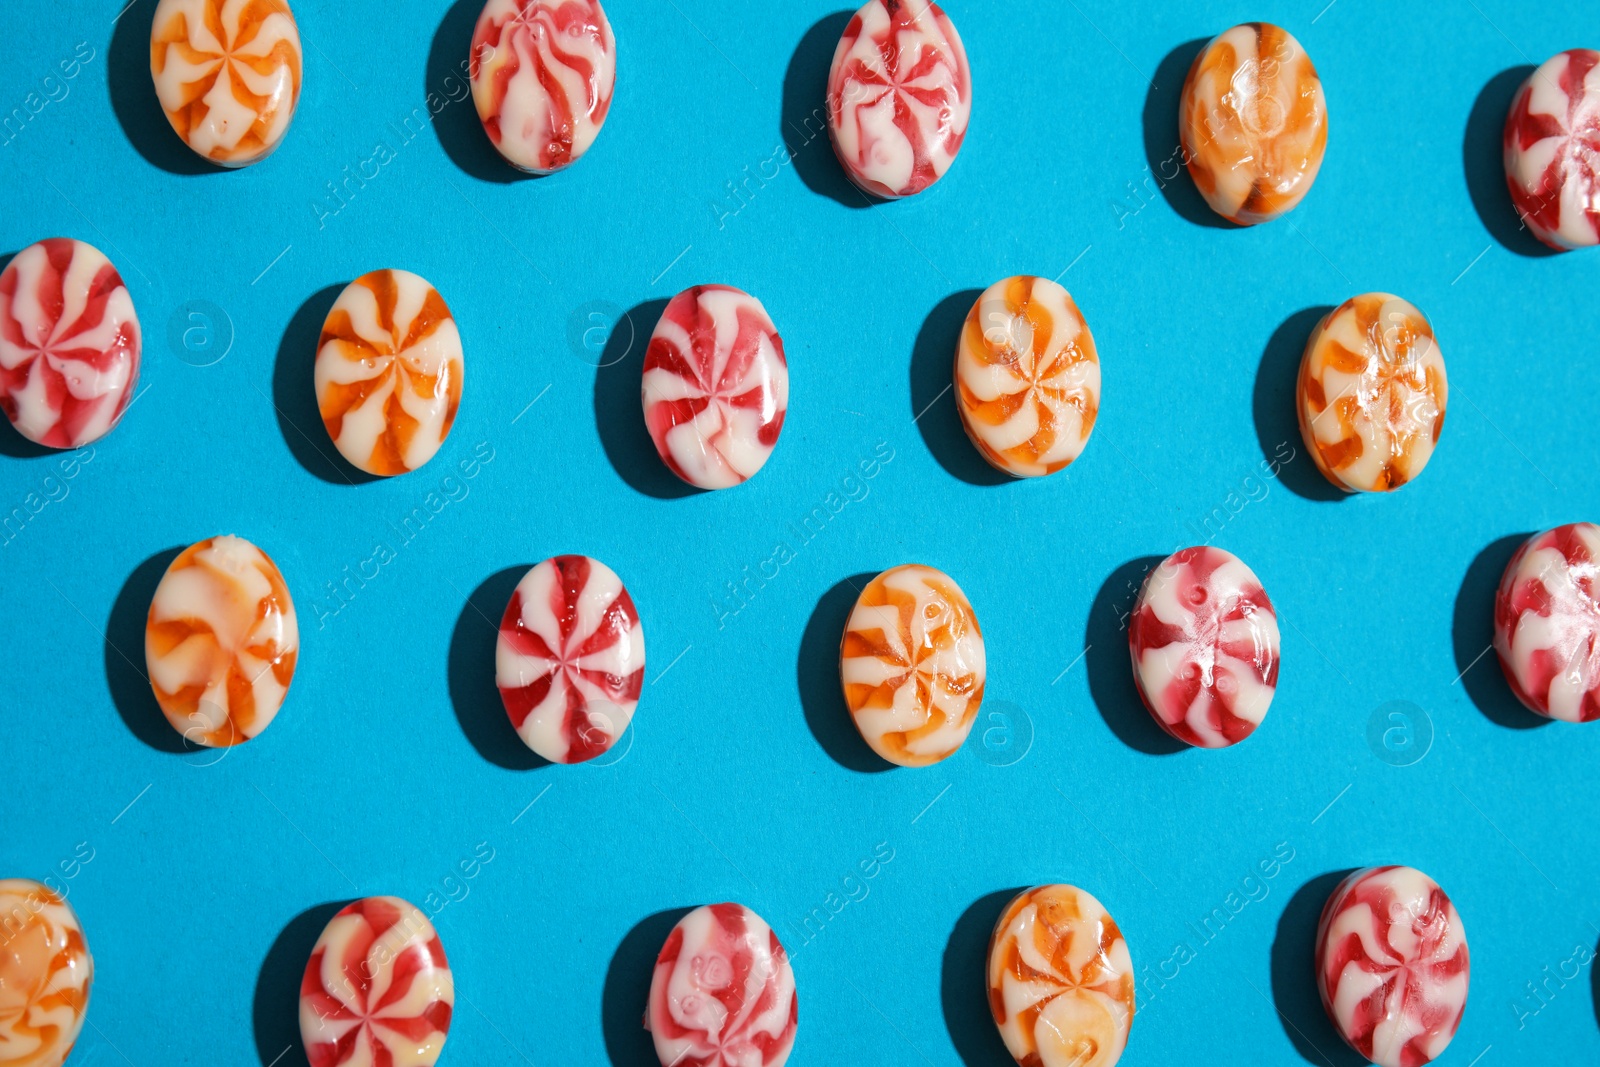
(1372,394)
(388,372)
(1027,377)
(1253,123)
(1061,980)
(221,642)
(227,73)
(45,971)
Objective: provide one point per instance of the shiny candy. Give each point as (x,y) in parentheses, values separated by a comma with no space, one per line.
(227,73)
(388,372)
(1392,965)
(221,642)
(69,343)
(723,992)
(1547,623)
(1027,377)
(1372,394)
(912,666)
(1252,123)
(45,972)
(1552,150)
(377,990)
(899,97)
(543,72)
(1204,640)
(570,659)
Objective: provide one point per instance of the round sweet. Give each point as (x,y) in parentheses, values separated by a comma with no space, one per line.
(45,972)
(221,642)
(1060,980)
(388,372)
(716,386)
(227,73)
(377,989)
(723,992)
(899,97)
(543,72)
(912,666)
(1552,150)
(1392,965)
(1253,123)
(1204,640)
(1547,623)
(1027,377)
(69,343)
(570,659)
(1372,394)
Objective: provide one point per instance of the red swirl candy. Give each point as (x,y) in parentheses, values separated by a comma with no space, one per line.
(1552,150)
(1547,623)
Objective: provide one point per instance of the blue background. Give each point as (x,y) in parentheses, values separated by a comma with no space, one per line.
(392,762)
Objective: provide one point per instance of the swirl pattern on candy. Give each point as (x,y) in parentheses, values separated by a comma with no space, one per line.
(1061,982)
(1392,965)
(723,992)
(543,72)
(570,659)
(388,372)
(1372,394)
(1253,123)
(45,972)
(1552,150)
(377,989)
(716,386)
(227,73)
(1027,377)
(899,97)
(1204,640)
(69,343)
(221,642)
(912,665)
(1547,623)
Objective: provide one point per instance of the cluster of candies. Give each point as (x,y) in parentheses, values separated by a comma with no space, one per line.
(222,641)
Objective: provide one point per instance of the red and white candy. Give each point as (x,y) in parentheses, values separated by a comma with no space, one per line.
(1547,623)
(716,386)
(899,97)
(1552,148)
(1392,965)
(1204,640)
(69,343)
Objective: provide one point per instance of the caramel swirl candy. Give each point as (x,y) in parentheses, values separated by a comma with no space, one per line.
(45,971)
(1253,123)
(1372,394)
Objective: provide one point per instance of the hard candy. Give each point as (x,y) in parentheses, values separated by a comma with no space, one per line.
(1552,150)
(45,973)
(1547,623)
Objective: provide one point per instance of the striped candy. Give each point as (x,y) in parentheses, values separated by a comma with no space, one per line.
(1552,150)
(45,973)
(1547,623)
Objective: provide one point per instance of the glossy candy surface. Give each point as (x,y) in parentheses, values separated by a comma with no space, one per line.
(1205,640)
(1372,394)
(1552,150)
(1027,377)
(899,97)
(1547,623)
(716,386)
(543,72)
(377,991)
(1253,123)
(69,343)
(723,992)
(227,73)
(221,642)
(389,372)
(45,972)
(570,659)
(1061,982)
(1392,965)
(912,665)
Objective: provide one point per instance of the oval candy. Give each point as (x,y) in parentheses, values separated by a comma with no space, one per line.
(45,974)
(1547,623)
(1552,150)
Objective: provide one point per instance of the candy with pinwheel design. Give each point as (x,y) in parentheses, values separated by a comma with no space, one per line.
(45,974)
(1552,150)
(1547,623)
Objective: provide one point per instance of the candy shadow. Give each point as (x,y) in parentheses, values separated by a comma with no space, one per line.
(457,126)
(933,404)
(1594,980)
(1483,160)
(13,444)
(1472,638)
(817,672)
(1294,978)
(1273,405)
(1110,667)
(294,395)
(963,984)
(471,670)
(1163,151)
(804,121)
(133,97)
(626,993)
(618,414)
(275,1012)
(123,653)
